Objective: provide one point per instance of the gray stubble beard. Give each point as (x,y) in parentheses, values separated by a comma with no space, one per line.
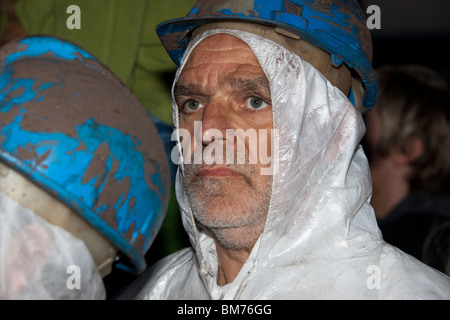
(241,230)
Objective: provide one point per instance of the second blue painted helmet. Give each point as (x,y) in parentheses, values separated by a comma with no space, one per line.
(69,125)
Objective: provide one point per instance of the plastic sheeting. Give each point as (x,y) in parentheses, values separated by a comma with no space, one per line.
(39,261)
(321,239)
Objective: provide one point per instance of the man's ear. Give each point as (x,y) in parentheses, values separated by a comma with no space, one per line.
(412,150)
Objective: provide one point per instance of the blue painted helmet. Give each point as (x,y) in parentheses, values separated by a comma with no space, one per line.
(69,125)
(335,26)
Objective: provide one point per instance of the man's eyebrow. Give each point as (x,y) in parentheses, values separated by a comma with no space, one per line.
(257,85)
(186,90)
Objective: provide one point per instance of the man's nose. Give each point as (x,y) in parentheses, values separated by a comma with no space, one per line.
(215,120)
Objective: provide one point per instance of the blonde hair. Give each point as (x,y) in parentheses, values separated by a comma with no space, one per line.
(414,102)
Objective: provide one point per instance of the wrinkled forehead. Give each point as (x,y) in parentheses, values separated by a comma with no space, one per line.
(216,46)
(220,60)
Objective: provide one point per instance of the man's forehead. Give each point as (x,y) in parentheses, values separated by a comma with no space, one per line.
(221,48)
(218,58)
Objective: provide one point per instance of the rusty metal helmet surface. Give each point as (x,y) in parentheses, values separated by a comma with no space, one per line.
(73,128)
(335,26)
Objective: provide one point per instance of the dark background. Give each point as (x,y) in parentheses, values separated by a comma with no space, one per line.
(412,31)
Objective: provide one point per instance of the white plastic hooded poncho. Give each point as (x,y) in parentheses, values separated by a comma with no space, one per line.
(40,261)
(321,239)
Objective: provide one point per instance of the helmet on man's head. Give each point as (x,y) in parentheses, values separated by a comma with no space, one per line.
(70,126)
(335,27)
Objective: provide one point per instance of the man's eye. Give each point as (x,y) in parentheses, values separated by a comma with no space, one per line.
(256,103)
(192,105)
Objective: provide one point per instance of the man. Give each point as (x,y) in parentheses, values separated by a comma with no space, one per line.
(407,143)
(306,229)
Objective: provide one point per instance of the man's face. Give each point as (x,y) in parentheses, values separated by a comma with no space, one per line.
(223,86)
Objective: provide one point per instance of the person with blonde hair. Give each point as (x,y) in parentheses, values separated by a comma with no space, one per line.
(408,143)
